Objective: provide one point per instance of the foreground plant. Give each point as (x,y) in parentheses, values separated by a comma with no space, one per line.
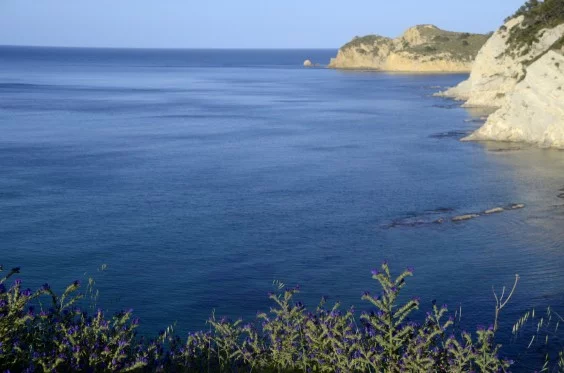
(288,338)
(62,337)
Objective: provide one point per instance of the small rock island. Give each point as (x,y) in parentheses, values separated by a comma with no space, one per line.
(423,48)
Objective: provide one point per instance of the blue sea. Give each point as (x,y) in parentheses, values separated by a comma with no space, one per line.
(199,177)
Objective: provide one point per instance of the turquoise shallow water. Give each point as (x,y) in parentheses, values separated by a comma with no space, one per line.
(199,177)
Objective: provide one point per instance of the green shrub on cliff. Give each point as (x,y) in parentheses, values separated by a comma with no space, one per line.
(462,46)
(538,15)
(368,40)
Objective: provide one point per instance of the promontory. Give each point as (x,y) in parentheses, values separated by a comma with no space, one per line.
(520,72)
(423,48)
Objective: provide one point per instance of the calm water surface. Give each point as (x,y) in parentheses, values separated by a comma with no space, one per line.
(199,177)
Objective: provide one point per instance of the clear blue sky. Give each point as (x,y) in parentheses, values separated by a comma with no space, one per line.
(232,23)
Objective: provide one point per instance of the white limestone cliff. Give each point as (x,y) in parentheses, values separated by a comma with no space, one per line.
(526,88)
(534,111)
(496,73)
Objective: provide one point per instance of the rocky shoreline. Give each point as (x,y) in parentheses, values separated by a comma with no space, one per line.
(521,81)
(526,88)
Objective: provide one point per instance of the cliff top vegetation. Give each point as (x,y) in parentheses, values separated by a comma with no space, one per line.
(538,16)
(427,40)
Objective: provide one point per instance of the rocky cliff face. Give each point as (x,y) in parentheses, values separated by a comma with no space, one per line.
(524,81)
(533,111)
(424,48)
(496,72)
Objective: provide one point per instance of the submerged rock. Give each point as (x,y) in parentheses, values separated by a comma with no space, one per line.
(449,135)
(504,150)
(465,217)
(440,210)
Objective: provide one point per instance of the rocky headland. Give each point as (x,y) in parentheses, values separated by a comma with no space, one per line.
(423,48)
(520,72)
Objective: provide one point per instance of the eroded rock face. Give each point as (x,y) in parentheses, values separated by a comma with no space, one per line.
(423,48)
(365,52)
(534,111)
(496,73)
(525,85)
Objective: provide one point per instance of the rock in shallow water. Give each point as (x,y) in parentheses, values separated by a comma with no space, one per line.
(494,211)
(465,217)
(517,206)
(308,63)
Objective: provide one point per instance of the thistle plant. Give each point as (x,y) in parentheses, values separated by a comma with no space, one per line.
(62,337)
(390,336)
(384,339)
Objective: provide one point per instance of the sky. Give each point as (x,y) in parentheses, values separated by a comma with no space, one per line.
(232,23)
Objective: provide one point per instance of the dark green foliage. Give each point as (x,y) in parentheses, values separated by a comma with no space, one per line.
(538,15)
(559,44)
(436,42)
(440,42)
(441,39)
(367,40)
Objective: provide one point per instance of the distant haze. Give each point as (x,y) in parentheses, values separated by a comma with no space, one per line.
(233,24)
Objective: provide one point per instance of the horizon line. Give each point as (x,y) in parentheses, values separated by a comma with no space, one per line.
(161,48)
